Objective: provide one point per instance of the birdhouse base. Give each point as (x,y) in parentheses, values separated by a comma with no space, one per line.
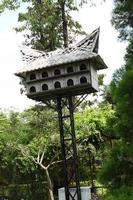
(85,193)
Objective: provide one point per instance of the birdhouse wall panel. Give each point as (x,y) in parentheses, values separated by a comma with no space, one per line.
(60,80)
(75,67)
(48,83)
(36,87)
(63,70)
(93,72)
(94,78)
(95,84)
(50,73)
(44,73)
(76,81)
(84,65)
(72,80)
(63,82)
(31,76)
(63,79)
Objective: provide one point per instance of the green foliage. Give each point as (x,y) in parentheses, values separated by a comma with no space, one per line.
(33,130)
(9,4)
(117,76)
(93,138)
(108,91)
(124,98)
(123,193)
(93,120)
(123,18)
(129,55)
(117,170)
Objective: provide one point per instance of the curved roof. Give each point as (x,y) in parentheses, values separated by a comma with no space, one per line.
(86,49)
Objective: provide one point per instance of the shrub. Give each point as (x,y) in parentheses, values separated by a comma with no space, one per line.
(123,193)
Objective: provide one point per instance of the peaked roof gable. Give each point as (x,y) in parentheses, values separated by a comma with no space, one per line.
(91,41)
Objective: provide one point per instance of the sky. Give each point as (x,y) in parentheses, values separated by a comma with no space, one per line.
(110,49)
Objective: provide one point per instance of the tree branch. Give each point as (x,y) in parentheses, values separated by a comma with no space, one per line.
(58,161)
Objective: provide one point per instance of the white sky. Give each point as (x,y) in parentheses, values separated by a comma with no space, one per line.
(110,50)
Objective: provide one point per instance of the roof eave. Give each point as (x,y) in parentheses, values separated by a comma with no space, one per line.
(100,63)
(20,74)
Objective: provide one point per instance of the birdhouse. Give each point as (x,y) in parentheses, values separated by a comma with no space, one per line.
(69,71)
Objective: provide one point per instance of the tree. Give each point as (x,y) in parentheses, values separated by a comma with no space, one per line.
(42,23)
(123,18)
(117,171)
(129,55)
(47,24)
(39,152)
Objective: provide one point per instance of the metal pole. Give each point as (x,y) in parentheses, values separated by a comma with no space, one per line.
(75,156)
(61,127)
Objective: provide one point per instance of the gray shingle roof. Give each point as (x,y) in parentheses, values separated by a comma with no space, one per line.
(84,50)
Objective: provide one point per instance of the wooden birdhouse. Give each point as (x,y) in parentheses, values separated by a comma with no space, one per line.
(70,71)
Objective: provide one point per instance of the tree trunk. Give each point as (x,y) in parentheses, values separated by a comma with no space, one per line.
(64,22)
(50,186)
